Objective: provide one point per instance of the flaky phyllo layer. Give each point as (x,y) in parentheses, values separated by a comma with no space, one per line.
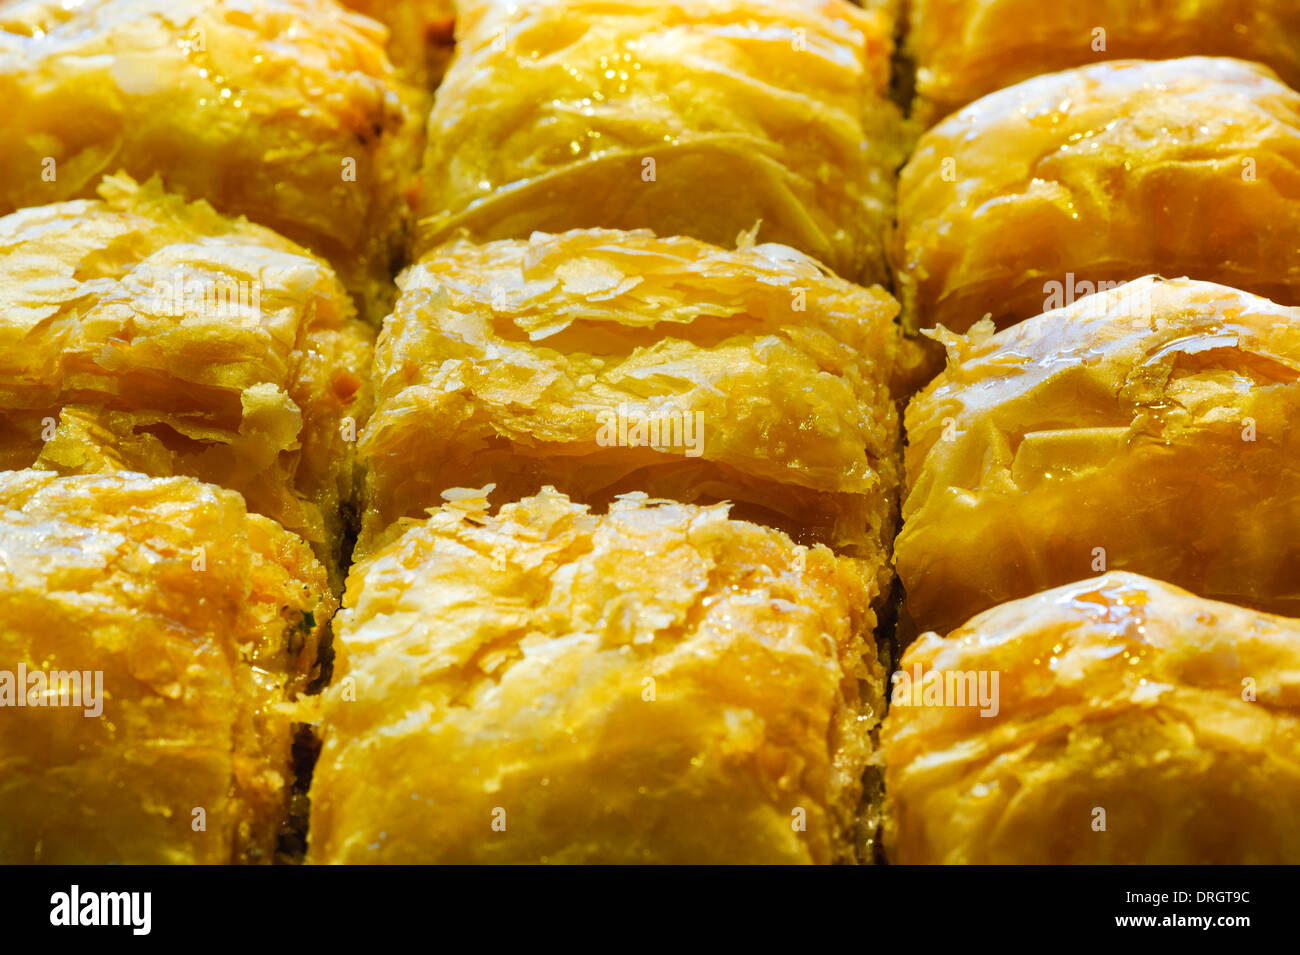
(141,332)
(196,623)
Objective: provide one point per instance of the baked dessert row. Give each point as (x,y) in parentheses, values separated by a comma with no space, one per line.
(714,683)
(1142,430)
(145,333)
(599,360)
(468,631)
(148,334)
(660,683)
(665,684)
(702,118)
(555,359)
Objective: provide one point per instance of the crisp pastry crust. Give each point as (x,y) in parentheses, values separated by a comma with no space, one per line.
(698,118)
(1148,429)
(1176,717)
(965,49)
(203,621)
(1102,174)
(144,333)
(658,684)
(525,363)
(421,34)
(287,111)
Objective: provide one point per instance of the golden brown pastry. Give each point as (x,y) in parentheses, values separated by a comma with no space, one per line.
(1032,196)
(1123,721)
(698,117)
(421,34)
(151,632)
(141,332)
(965,49)
(603,362)
(1148,429)
(287,111)
(658,684)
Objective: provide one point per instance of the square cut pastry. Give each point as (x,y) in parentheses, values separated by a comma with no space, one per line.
(657,684)
(1116,720)
(965,49)
(698,118)
(153,634)
(287,111)
(1148,429)
(144,333)
(1035,195)
(605,362)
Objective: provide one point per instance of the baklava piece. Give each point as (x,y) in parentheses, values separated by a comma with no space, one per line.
(154,635)
(1116,720)
(1038,194)
(144,333)
(1149,429)
(699,117)
(657,684)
